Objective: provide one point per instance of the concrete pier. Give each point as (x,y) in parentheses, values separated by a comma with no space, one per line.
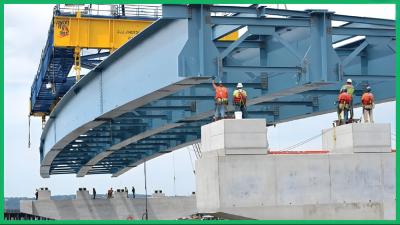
(118,208)
(358,183)
(356,179)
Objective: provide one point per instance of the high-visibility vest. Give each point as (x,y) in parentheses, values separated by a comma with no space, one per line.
(344,98)
(239,96)
(349,88)
(367,99)
(221,93)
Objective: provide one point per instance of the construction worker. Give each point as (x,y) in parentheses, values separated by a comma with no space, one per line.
(343,106)
(350,90)
(239,100)
(221,100)
(367,101)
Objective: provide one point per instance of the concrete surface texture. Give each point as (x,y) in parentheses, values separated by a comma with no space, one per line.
(230,136)
(117,208)
(347,185)
(83,194)
(357,137)
(44,194)
(355,180)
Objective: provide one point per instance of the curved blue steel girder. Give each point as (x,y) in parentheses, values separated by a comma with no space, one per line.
(153,94)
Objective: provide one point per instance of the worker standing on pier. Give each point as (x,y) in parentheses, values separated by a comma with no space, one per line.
(221,100)
(350,90)
(367,100)
(94,193)
(133,192)
(239,100)
(343,106)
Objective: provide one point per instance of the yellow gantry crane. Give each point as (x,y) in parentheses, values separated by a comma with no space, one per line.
(78,27)
(98,33)
(94,33)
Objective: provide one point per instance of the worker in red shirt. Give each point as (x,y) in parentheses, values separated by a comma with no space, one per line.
(344,100)
(221,100)
(367,101)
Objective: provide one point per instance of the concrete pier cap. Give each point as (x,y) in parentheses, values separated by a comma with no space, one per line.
(354,180)
(44,193)
(357,138)
(234,137)
(82,193)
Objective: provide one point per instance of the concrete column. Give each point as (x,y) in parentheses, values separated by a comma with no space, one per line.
(296,185)
(44,194)
(158,194)
(82,193)
(120,193)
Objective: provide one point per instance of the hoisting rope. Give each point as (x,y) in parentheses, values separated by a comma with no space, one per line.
(173,165)
(29,131)
(191,160)
(302,142)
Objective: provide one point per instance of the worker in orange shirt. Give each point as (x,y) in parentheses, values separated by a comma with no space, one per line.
(221,100)
(367,101)
(344,100)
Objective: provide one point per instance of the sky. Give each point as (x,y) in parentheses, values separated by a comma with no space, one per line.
(25,37)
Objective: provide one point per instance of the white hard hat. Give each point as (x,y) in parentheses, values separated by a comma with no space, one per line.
(239,85)
(349,80)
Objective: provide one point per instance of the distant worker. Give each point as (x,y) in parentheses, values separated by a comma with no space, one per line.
(350,90)
(239,100)
(367,101)
(36,194)
(133,192)
(127,193)
(94,193)
(110,193)
(343,106)
(221,100)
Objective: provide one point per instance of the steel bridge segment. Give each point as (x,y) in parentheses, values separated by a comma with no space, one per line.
(57,62)
(290,85)
(96,84)
(54,66)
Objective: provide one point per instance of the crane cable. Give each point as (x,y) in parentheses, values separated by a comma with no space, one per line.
(315,137)
(173,164)
(302,142)
(29,131)
(191,160)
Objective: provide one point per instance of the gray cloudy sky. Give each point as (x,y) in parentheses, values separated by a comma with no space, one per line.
(25,36)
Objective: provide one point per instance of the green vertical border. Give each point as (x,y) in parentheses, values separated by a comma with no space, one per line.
(2,113)
(397,221)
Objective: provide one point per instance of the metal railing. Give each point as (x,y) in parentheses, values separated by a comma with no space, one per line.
(10,214)
(111,10)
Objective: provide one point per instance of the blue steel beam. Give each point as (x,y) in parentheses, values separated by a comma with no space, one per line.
(245,21)
(244,44)
(219,31)
(259,11)
(259,69)
(277,96)
(357,19)
(364,32)
(353,54)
